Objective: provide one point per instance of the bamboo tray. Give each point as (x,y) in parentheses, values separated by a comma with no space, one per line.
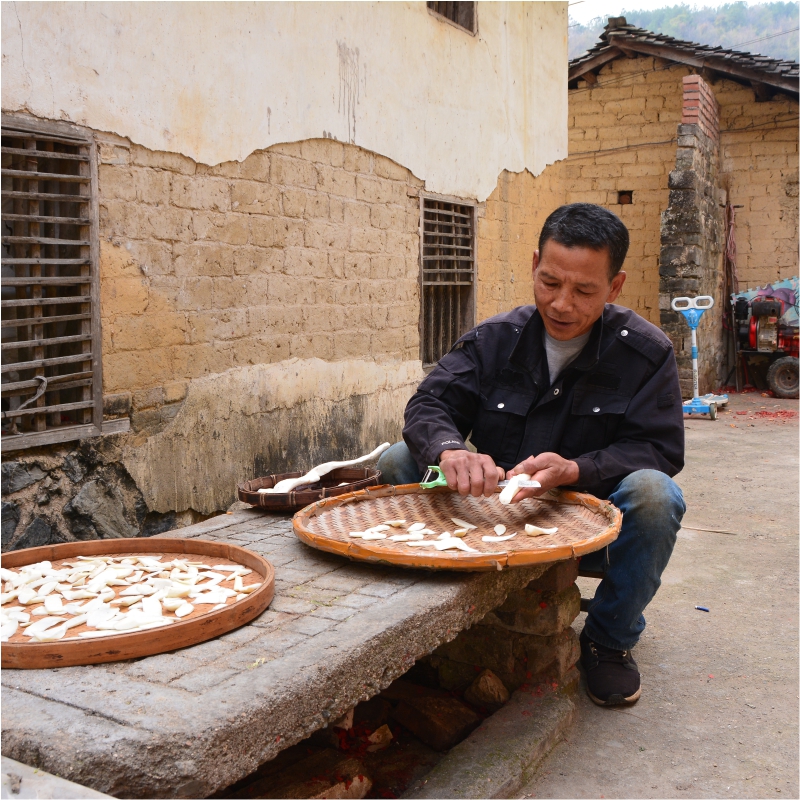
(584,523)
(20,653)
(354,478)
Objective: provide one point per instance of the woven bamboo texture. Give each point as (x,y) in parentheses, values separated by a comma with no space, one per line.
(584,523)
(354,478)
(21,653)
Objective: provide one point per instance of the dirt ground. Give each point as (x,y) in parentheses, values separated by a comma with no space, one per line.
(718,715)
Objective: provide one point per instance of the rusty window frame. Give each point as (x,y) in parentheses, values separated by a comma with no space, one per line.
(51,337)
(463,15)
(447,274)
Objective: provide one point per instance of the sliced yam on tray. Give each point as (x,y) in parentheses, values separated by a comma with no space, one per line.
(143,596)
(489,536)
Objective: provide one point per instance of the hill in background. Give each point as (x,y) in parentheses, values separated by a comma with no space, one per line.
(733,25)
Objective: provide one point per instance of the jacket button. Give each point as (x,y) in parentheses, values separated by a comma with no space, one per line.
(623,332)
(501,405)
(596,409)
(556,391)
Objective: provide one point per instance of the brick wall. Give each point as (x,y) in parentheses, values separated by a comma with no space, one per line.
(759,167)
(603,120)
(303,250)
(692,233)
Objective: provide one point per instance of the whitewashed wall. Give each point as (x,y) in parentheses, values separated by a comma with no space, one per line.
(216,81)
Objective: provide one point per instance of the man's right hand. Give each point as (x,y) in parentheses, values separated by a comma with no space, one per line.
(470,473)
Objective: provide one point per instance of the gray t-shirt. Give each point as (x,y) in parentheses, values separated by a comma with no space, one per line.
(560,354)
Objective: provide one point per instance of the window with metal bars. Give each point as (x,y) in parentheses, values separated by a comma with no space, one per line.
(447,245)
(51,366)
(461,14)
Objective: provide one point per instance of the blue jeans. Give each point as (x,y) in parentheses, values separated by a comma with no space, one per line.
(652,508)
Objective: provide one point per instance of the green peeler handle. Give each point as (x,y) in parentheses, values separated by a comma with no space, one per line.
(429,482)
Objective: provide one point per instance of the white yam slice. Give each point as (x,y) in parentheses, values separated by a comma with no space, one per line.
(460,533)
(408,537)
(79,594)
(210,599)
(8,629)
(43,625)
(184,610)
(18,614)
(51,634)
(499,529)
(126,601)
(139,590)
(460,523)
(535,530)
(498,538)
(454,544)
(238,585)
(415,526)
(7,597)
(96,634)
(176,590)
(355,534)
(151,606)
(444,535)
(173,603)
(53,603)
(395,523)
(371,536)
(250,588)
(510,491)
(28,597)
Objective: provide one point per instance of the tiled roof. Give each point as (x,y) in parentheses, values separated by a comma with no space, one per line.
(619,39)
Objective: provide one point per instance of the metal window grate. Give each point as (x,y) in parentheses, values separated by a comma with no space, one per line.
(462,14)
(448,275)
(51,381)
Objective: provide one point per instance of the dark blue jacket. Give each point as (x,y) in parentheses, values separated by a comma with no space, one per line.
(614,410)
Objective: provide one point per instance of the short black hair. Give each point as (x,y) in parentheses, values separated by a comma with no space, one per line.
(587,225)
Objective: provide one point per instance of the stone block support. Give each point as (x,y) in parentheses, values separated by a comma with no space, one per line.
(692,232)
(526,641)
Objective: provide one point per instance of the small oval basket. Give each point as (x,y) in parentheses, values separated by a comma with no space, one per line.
(340,481)
(584,524)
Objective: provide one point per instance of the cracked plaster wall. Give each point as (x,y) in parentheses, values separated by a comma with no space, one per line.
(217,81)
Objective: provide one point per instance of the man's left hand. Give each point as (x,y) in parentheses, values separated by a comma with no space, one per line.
(550,469)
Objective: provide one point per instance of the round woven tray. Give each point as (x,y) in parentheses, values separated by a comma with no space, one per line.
(584,523)
(355,478)
(22,653)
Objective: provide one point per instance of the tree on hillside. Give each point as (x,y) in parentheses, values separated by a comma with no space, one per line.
(733,25)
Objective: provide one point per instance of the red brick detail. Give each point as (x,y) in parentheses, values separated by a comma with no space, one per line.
(700,107)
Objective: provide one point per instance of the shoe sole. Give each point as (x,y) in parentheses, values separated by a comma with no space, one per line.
(615,699)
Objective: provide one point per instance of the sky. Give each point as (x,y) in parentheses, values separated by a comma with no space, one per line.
(587,10)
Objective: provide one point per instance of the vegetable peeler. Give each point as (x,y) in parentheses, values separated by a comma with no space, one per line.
(430,482)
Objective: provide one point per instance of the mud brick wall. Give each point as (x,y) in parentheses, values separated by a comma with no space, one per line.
(257,316)
(692,237)
(759,171)
(306,249)
(526,641)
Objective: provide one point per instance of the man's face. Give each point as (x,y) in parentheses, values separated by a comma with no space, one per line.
(572,286)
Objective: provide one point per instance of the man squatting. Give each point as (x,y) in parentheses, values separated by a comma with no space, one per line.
(577,392)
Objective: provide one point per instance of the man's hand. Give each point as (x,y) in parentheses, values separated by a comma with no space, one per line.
(470,473)
(550,469)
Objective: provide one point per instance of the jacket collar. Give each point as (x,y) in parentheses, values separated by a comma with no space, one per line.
(529,352)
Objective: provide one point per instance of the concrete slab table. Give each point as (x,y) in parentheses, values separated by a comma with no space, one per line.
(188,723)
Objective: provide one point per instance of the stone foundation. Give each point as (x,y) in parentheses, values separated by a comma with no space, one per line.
(526,641)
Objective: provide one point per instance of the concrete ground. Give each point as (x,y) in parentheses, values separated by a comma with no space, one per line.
(718,715)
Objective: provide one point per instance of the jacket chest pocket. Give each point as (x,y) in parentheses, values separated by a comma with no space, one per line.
(500,425)
(596,419)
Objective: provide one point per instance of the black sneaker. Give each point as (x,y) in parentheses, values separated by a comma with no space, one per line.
(612,677)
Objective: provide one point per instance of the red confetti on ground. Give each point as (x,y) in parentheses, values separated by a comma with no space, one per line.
(710,676)
(740,413)
(783,414)
(542,604)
